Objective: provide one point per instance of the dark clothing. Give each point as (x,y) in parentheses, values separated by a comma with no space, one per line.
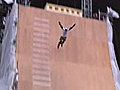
(64,34)
(61,42)
(62,39)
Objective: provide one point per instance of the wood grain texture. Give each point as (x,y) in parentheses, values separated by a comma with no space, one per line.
(82,64)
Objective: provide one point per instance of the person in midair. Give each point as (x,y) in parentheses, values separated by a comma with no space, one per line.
(64,34)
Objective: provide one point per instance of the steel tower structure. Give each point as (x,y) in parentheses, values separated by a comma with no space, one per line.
(86,6)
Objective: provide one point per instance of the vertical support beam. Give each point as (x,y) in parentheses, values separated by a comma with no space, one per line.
(87,8)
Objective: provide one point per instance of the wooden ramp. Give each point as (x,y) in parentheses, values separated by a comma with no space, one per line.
(82,64)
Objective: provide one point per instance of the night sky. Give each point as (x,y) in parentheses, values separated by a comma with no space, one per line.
(96,4)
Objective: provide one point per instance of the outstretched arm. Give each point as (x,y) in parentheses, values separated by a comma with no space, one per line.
(72,26)
(60,25)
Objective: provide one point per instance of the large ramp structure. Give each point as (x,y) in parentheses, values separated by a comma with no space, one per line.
(82,64)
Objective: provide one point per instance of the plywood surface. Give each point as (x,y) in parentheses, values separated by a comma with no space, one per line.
(82,64)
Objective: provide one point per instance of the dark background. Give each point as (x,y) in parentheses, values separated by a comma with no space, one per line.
(96,4)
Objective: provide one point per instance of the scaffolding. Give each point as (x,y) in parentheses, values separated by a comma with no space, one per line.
(86,8)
